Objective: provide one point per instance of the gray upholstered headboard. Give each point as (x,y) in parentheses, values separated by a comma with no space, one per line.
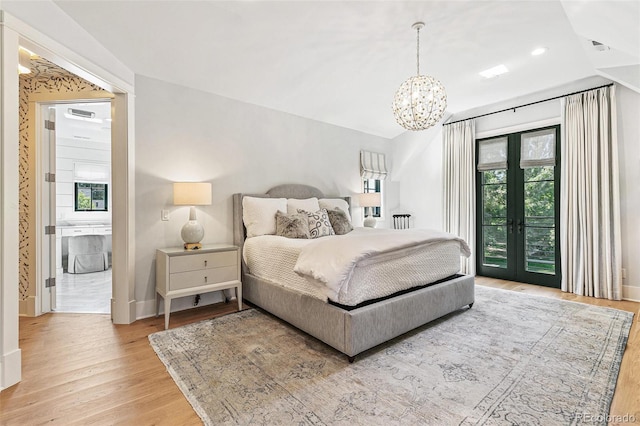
(280,191)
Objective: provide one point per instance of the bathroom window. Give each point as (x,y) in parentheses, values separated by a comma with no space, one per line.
(91,197)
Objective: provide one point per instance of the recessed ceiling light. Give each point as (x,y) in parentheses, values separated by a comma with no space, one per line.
(538,51)
(494,72)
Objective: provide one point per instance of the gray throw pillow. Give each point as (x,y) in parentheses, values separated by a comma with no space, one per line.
(339,221)
(319,224)
(292,225)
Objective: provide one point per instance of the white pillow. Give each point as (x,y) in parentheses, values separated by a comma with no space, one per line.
(332,203)
(259,214)
(308,204)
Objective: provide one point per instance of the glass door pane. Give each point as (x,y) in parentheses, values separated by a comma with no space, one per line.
(494,218)
(539,220)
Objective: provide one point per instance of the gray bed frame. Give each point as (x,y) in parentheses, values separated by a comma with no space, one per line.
(354,331)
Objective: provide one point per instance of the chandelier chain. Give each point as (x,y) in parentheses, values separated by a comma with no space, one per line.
(418,51)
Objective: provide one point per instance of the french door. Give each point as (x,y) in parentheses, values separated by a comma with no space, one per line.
(518,194)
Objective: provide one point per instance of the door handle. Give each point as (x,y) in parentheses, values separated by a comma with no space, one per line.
(520,226)
(510,225)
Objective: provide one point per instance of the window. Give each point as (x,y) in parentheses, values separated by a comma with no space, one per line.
(373,170)
(90,197)
(374,185)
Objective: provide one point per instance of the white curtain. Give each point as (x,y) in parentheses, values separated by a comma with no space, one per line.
(590,243)
(459,186)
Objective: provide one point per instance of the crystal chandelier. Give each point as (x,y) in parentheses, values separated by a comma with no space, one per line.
(421,100)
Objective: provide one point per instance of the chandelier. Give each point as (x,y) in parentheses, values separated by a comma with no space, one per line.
(421,100)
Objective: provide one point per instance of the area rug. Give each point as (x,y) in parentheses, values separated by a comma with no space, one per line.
(511,359)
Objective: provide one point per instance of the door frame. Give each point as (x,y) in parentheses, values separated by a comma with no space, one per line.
(13,33)
(515,210)
(36,102)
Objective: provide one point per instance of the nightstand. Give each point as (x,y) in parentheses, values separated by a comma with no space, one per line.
(181,273)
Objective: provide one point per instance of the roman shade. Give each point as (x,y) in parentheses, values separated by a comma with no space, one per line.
(91,172)
(492,154)
(538,149)
(373,165)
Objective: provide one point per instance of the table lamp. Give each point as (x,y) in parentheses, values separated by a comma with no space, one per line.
(192,194)
(370,199)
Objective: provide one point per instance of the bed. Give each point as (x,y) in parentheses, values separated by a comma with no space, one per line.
(354,327)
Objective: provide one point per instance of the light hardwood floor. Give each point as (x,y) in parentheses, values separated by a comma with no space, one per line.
(79,369)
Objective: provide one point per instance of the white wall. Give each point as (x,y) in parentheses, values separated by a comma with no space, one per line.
(418,163)
(416,174)
(70,152)
(188,135)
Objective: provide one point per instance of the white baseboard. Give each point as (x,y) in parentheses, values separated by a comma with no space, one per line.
(631,293)
(27,307)
(147,308)
(10,369)
(123,313)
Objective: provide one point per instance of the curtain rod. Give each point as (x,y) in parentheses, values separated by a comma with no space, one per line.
(530,103)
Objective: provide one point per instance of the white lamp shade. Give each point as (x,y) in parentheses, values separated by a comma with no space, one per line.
(191,194)
(370,199)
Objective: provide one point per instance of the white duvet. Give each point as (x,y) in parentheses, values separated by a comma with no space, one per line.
(347,275)
(332,261)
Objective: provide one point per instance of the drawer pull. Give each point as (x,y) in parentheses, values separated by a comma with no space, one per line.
(205,279)
(205,263)
(77,230)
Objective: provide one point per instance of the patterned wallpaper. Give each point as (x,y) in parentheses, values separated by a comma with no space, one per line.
(45,77)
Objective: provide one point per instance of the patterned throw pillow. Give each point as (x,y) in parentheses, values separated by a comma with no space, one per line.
(339,221)
(319,224)
(292,225)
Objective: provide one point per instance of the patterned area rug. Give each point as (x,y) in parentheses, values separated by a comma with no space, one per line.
(511,359)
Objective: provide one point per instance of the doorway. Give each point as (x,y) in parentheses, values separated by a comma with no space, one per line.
(518,209)
(15,33)
(81,156)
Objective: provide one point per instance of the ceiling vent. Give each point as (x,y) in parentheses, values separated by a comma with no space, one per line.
(81,113)
(599,46)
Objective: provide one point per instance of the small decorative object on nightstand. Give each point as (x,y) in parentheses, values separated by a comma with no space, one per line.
(192,194)
(370,199)
(181,273)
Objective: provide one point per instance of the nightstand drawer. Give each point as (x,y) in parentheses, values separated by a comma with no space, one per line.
(202,261)
(182,280)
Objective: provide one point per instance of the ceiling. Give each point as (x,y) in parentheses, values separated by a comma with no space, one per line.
(341,62)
